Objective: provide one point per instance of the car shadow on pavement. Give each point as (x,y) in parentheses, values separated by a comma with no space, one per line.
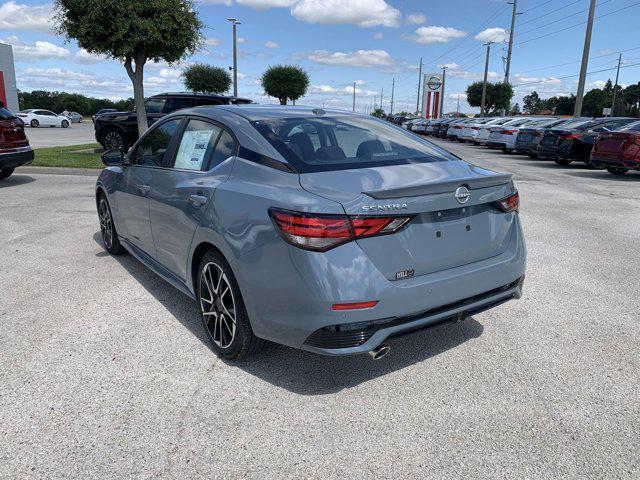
(299,371)
(15,180)
(604,175)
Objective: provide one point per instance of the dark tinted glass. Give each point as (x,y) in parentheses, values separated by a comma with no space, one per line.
(173,104)
(225,148)
(155,105)
(6,114)
(154,146)
(319,143)
(630,127)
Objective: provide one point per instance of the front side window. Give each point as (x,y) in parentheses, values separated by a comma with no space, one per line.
(339,142)
(6,114)
(155,105)
(196,145)
(173,104)
(154,146)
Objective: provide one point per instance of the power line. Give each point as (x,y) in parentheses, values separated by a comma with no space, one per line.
(538,6)
(550,12)
(561,19)
(577,75)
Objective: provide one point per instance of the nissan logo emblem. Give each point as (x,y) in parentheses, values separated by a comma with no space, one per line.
(462,195)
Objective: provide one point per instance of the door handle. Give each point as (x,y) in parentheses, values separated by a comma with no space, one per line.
(197,200)
(144,189)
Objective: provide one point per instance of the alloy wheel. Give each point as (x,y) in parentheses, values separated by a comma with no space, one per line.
(218,305)
(106,225)
(112,140)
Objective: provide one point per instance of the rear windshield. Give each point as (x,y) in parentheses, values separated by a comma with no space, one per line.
(578,123)
(629,127)
(6,114)
(340,142)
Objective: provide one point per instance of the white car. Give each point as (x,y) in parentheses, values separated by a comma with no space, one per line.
(485,130)
(471,128)
(43,118)
(504,136)
(419,125)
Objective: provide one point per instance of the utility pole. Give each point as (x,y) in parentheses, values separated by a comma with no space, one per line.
(484,84)
(444,76)
(393,88)
(419,80)
(381,94)
(375,101)
(235,22)
(511,33)
(354,97)
(458,108)
(615,88)
(577,112)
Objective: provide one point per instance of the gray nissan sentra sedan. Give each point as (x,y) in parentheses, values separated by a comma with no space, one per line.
(318,229)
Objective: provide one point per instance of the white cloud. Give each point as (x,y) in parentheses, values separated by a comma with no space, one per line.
(169,73)
(271,44)
(14,16)
(434,34)
(378,36)
(450,66)
(40,50)
(348,90)
(82,56)
(240,40)
(211,42)
(359,58)
(217,2)
(494,34)
(360,82)
(363,13)
(264,4)
(57,73)
(416,18)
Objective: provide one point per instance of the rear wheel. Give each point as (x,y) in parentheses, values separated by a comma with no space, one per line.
(108,229)
(35,123)
(507,150)
(6,173)
(563,162)
(533,155)
(223,312)
(617,171)
(113,139)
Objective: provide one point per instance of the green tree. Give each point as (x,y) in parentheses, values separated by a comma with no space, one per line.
(498,98)
(594,101)
(532,103)
(206,78)
(515,109)
(285,82)
(378,112)
(73,102)
(132,32)
(631,96)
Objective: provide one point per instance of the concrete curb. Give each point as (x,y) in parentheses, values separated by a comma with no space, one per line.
(59,171)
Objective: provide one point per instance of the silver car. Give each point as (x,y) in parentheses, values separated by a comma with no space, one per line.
(318,229)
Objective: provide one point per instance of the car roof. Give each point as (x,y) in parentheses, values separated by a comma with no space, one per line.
(255,112)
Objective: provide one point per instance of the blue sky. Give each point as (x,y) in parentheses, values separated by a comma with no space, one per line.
(366,41)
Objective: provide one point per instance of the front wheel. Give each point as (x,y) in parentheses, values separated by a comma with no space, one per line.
(6,173)
(533,155)
(35,123)
(223,312)
(617,170)
(507,150)
(562,162)
(113,139)
(108,229)
(64,124)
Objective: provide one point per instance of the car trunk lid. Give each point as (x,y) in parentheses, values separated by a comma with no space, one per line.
(12,133)
(443,233)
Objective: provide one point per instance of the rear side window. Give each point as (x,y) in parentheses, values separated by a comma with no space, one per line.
(339,142)
(173,104)
(196,145)
(630,127)
(225,148)
(154,146)
(155,105)
(6,114)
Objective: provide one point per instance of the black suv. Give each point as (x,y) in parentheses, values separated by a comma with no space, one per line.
(120,129)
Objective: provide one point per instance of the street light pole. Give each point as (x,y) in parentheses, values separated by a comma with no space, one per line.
(419,80)
(484,83)
(511,33)
(235,22)
(615,88)
(393,88)
(577,112)
(354,97)
(444,77)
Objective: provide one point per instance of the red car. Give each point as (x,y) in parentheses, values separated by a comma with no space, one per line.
(618,151)
(14,146)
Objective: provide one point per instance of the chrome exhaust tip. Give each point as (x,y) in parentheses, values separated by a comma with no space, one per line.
(380,351)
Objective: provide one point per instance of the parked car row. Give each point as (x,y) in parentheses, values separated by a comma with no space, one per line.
(611,143)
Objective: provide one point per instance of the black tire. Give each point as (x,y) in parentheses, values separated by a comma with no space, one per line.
(618,171)
(507,150)
(35,123)
(533,155)
(563,162)
(108,229)
(217,307)
(64,124)
(113,138)
(6,173)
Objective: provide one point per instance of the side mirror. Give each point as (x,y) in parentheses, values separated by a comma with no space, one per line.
(113,157)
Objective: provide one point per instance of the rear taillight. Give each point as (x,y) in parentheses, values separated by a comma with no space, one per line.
(321,232)
(508,132)
(538,134)
(571,136)
(509,204)
(475,128)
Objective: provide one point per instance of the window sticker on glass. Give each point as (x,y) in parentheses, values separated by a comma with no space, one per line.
(193,149)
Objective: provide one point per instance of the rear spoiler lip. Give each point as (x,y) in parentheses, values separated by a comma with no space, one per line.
(472,183)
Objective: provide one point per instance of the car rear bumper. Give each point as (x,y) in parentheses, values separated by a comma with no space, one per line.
(615,161)
(495,144)
(16,157)
(548,151)
(296,309)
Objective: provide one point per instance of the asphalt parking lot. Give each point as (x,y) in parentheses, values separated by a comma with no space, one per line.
(75,134)
(105,371)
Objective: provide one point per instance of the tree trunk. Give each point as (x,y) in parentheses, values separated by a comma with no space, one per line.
(137,79)
(283,101)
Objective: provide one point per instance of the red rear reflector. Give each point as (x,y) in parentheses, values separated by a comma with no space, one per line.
(354,306)
(321,232)
(572,136)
